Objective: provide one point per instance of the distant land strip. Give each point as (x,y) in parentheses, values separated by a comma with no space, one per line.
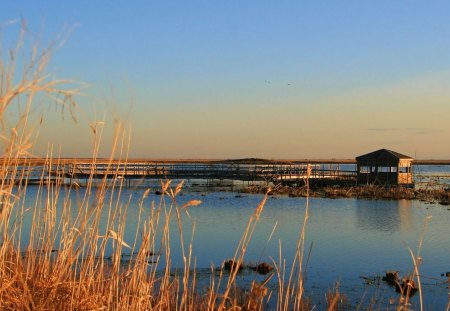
(255,161)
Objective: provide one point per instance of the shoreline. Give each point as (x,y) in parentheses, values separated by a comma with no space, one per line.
(441,196)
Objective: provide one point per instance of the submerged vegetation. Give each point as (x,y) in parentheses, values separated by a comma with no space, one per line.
(65,265)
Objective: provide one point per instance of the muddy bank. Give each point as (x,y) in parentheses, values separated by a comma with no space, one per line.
(362,192)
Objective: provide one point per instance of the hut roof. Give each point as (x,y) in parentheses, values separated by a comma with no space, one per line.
(383,154)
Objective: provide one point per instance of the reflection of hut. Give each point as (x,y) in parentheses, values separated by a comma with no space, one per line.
(385,167)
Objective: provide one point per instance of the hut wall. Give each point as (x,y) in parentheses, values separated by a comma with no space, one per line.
(405,178)
(380,178)
(405,174)
(385,173)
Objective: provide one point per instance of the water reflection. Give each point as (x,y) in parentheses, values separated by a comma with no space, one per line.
(350,237)
(383,216)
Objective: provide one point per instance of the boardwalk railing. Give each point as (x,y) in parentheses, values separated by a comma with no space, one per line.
(277,173)
(67,172)
(331,172)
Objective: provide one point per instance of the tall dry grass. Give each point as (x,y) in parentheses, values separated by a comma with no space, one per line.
(73,258)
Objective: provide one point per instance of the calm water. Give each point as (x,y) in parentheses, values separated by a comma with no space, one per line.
(349,238)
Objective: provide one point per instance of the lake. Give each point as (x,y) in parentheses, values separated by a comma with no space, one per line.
(352,242)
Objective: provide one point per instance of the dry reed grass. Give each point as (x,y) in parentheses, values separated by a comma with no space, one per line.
(65,264)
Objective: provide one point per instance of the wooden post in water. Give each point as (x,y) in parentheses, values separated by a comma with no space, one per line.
(308,173)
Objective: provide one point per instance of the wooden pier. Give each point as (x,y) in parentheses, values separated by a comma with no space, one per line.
(251,170)
(286,172)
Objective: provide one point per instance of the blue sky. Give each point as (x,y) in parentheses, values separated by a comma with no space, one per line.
(273,79)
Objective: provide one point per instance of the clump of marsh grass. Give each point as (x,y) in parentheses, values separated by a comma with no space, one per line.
(336,300)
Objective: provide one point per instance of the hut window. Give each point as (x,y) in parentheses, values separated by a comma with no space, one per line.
(383,169)
(364,169)
(405,169)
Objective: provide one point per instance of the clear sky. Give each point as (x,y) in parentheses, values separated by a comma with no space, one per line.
(269,79)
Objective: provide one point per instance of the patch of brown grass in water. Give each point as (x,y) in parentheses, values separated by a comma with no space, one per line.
(336,300)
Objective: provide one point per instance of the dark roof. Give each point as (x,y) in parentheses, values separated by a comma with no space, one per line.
(383,154)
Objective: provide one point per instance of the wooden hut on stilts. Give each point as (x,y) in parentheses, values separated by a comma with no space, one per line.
(386,168)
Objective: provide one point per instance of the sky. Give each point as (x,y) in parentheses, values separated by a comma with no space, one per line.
(235,79)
